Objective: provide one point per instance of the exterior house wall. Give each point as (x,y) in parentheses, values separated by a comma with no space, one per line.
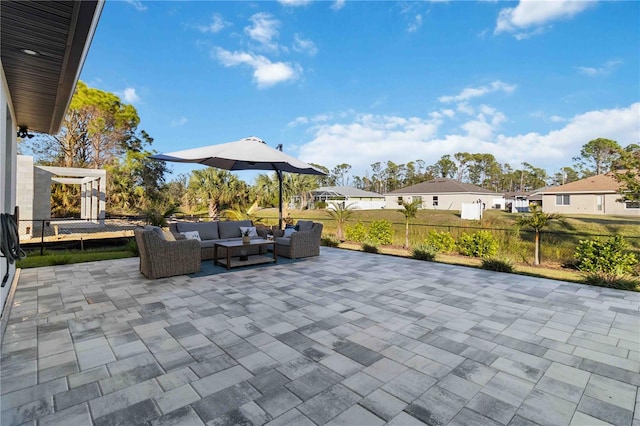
(450,201)
(587,204)
(8,149)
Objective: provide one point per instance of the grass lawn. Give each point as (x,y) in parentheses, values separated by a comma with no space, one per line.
(63,257)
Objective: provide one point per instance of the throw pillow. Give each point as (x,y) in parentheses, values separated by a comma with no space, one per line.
(288,232)
(192,235)
(252,230)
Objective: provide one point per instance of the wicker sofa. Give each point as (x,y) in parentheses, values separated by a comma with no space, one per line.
(161,258)
(212,232)
(305,242)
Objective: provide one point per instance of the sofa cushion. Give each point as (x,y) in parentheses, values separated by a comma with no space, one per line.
(192,235)
(252,231)
(305,225)
(288,232)
(283,241)
(155,229)
(231,228)
(207,230)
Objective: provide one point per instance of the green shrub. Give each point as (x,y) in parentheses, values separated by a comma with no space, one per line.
(442,241)
(329,241)
(606,263)
(321,204)
(424,251)
(132,246)
(606,256)
(370,247)
(478,244)
(498,265)
(381,232)
(601,279)
(357,232)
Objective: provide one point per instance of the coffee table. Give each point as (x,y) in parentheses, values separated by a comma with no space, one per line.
(236,245)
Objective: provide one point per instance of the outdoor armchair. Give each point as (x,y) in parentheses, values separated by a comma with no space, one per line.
(303,243)
(160,258)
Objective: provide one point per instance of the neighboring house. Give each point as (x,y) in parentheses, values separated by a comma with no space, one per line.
(593,195)
(347,195)
(519,202)
(444,194)
(43,46)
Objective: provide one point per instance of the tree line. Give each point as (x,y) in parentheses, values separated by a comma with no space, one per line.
(101,131)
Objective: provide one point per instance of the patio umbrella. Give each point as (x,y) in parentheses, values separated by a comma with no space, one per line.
(246,154)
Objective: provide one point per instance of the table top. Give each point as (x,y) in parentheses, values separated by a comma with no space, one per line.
(239,243)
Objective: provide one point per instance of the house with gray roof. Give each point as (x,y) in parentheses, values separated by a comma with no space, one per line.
(444,194)
(358,198)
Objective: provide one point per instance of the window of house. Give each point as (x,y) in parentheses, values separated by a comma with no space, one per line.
(400,200)
(563,200)
(632,205)
(435,200)
(417,199)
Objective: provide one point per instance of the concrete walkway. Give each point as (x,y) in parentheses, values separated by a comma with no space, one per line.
(346,338)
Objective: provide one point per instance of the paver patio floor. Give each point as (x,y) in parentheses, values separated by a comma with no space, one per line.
(347,338)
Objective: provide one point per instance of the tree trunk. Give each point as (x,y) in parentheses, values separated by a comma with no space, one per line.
(406,235)
(536,261)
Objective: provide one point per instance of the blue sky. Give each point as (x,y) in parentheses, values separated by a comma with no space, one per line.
(360,82)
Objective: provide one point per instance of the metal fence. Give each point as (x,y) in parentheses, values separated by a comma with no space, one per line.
(54,233)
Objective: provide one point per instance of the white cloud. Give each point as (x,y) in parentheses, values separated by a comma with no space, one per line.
(265,72)
(294,3)
(301,45)
(416,24)
(129,95)
(137,4)
(217,24)
(605,69)
(530,17)
(366,139)
(474,92)
(263,30)
(556,119)
(338,4)
(181,121)
(319,118)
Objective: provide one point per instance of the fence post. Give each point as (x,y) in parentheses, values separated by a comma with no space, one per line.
(42,238)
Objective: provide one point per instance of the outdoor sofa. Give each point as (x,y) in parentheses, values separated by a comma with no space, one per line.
(162,256)
(211,232)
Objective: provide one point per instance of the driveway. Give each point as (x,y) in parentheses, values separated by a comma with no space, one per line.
(346,338)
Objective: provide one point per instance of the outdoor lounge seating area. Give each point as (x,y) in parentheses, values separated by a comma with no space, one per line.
(182,249)
(403,342)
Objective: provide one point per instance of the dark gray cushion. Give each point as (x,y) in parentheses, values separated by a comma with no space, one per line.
(283,241)
(207,230)
(305,225)
(231,228)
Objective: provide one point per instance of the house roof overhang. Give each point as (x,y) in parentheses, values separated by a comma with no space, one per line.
(43,47)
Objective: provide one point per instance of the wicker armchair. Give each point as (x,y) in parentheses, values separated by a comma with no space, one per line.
(160,258)
(301,243)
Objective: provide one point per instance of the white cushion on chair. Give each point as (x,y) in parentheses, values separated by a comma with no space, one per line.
(288,232)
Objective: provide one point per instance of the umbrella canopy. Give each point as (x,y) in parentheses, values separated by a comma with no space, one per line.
(246,154)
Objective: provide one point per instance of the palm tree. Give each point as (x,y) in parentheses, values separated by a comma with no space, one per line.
(537,220)
(409,211)
(266,190)
(214,185)
(340,213)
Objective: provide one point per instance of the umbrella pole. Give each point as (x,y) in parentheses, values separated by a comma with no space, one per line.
(279,173)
